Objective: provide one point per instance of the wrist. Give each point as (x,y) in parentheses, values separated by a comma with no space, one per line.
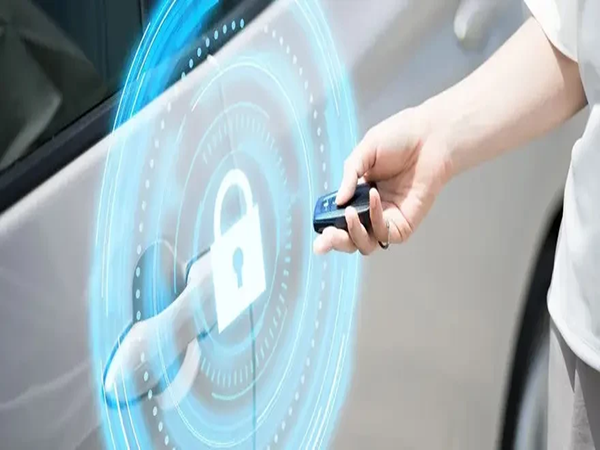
(438,130)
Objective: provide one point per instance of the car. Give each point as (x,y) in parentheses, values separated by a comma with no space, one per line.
(449,338)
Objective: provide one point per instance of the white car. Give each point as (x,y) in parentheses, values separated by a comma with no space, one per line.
(449,345)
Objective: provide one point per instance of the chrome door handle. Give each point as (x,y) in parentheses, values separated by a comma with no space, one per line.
(135,359)
(473,20)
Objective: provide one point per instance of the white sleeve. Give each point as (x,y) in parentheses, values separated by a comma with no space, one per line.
(558,19)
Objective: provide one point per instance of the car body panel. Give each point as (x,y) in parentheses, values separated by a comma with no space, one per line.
(437,316)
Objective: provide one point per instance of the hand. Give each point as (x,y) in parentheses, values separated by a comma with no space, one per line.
(410,166)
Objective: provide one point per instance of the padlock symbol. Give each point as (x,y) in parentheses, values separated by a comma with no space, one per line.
(236,255)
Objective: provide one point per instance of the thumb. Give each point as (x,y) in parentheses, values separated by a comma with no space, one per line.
(359,162)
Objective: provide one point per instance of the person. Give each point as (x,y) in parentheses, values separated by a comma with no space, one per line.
(544,74)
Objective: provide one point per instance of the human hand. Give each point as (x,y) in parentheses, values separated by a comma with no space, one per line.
(410,165)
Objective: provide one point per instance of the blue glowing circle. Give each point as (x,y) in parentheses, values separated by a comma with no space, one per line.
(282,112)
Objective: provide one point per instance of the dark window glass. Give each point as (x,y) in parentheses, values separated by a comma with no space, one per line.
(62,63)
(58,59)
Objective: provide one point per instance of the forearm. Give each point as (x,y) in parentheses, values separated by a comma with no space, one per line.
(525,89)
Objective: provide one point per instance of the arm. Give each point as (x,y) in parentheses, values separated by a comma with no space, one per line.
(525,89)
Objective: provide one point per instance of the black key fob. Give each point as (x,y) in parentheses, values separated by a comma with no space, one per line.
(328,214)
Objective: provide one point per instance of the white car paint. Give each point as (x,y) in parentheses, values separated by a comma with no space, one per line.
(437,316)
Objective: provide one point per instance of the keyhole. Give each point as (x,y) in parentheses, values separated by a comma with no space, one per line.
(238,261)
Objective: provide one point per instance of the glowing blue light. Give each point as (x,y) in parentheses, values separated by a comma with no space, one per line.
(324,388)
(216,35)
(191,63)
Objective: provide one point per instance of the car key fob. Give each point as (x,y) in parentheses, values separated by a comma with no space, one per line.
(328,214)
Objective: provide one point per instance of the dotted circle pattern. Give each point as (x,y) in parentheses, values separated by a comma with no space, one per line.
(205,367)
(294,413)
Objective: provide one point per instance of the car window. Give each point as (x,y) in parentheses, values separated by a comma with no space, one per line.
(62,63)
(59,59)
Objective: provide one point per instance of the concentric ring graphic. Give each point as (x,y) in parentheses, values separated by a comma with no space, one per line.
(269,99)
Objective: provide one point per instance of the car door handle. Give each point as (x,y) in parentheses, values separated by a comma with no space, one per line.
(179,327)
(473,20)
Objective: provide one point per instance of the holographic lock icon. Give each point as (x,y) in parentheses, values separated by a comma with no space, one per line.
(237,254)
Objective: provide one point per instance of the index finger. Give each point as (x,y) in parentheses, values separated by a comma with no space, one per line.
(356,166)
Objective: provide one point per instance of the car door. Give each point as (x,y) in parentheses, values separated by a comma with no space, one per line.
(429,355)
(63,64)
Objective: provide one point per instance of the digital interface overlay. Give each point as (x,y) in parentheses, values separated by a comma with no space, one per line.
(213,324)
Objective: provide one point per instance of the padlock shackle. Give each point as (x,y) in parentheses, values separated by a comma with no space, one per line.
(235,177)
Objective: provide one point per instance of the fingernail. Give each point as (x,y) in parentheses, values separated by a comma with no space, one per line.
(339,195)
(317,247)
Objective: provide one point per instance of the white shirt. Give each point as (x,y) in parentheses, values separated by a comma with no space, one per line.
(574,296)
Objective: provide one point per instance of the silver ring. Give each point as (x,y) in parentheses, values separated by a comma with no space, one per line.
(386,245)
